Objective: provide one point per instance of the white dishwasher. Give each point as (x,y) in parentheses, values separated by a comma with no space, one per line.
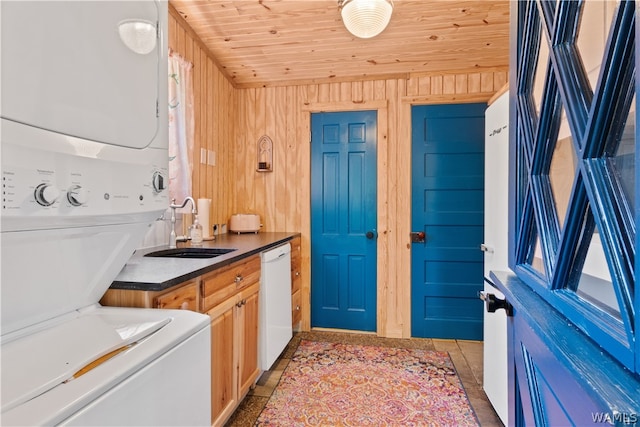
(275,329)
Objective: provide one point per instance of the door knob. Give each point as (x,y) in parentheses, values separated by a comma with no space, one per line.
(418,237)
(493,303)
(485,248)
(370,234)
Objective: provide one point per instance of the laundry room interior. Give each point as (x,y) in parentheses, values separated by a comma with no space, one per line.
(204,201)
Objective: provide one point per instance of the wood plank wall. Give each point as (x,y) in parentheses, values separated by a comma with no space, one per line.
(282,197)
(230,122)
(214,108)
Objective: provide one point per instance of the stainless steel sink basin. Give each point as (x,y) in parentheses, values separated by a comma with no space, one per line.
(190,253)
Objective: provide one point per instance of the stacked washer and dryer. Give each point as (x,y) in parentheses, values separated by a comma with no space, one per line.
(84,171)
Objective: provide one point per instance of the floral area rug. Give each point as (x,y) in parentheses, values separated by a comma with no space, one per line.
(333,384)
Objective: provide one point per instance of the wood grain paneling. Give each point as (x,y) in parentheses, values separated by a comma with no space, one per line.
(282,197)
(299,42)
(230,122)
(215,105)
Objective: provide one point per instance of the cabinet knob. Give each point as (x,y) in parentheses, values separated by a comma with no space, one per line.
(238,278)
(184,305)
(297,308)
(297,273)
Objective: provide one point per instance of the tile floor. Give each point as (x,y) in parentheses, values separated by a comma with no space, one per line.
(466,356)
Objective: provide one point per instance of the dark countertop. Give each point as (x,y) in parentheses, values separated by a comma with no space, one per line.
(157,274)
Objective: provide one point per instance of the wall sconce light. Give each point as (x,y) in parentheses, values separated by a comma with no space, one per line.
(365,18)
(265,154)
(138,35)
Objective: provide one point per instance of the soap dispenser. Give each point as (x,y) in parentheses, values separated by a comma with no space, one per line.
(196,232)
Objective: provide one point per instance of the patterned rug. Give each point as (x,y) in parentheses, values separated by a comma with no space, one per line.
(334,384)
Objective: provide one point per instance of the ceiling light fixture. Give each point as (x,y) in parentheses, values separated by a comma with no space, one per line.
(365,18)
(138,35)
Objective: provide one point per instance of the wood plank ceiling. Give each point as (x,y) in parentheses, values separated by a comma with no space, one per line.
(260,43)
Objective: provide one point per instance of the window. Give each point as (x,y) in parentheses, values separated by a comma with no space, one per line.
(574,164)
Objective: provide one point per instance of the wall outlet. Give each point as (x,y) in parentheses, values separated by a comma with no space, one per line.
(211,157)
(203,156)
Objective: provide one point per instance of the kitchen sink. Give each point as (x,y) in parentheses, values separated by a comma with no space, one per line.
(190,253)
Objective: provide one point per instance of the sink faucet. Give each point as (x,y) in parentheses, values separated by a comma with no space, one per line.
(174,206)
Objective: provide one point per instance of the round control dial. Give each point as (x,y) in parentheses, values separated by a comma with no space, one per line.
(46,194)
(158,182)
(77,196)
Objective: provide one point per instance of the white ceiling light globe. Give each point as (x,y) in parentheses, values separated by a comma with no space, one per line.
(366,18)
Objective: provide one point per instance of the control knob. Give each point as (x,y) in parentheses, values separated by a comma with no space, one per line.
(76,195)
(46,194)
(158,182)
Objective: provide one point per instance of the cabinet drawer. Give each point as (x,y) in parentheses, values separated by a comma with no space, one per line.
(296,265)
(225,282)
(185,297)
(296,256)
(296,280)
(296,312)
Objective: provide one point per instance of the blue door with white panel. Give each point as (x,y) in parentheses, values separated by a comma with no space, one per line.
(447,216)
(343,220)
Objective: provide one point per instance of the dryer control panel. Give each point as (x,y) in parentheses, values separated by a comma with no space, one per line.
(68,188)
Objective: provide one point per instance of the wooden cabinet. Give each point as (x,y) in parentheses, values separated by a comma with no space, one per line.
(247,322)
(230,298)
(296,280)
(185,296)
(234,352)
(224,393)
(224,282)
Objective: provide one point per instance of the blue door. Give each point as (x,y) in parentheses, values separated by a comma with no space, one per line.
(447,220)
(574,347)
(343,220)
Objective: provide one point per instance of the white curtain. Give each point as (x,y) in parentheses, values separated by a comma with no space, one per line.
(181,127)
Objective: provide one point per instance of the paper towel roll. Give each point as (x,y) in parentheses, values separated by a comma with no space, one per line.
(204,215)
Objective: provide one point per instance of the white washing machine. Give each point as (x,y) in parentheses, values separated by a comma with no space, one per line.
(84,166)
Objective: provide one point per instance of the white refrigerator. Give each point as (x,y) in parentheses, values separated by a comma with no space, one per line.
(496,207)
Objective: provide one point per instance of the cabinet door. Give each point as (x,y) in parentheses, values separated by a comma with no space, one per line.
(296,282)
(296,313)
(248,333)
(223,373)
(185,298)
(296,265)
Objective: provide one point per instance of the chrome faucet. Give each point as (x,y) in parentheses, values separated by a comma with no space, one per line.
(174,206)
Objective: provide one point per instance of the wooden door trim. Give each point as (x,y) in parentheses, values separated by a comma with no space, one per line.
(384,234)
(400,291)
(448,99)
(331,107)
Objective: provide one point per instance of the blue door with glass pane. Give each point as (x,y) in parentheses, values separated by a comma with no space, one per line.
(343,220)
(574,353)
(447,265)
